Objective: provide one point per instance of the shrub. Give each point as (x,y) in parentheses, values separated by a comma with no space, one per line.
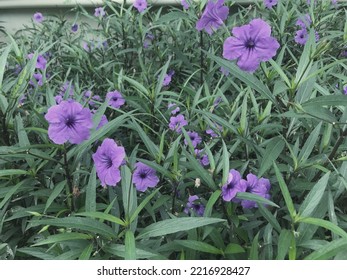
(130,134)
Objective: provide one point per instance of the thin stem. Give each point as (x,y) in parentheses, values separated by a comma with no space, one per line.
(69,182)
(201,59)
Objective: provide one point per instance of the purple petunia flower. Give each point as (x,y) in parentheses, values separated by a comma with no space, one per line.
(185,4)
(304,21)
(74,27)
(107,159)
(194,137)
(301,37)
(175,110)
(194,206)
(41,62)
(270,3)
(250,45)
(102,122)
(213,16)
(176,123)
(224,71)
(38,17)
(69,121)
(345,90)
(99,12)
(234,185)
(115,98)
(37,80)
(140,5)
(148,40)
(203,158)
(212,132)
(67,87)
(167,78)
(144,177)
(58,99)
(256,186)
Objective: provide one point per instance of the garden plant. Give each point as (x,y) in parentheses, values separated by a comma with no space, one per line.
(207,130)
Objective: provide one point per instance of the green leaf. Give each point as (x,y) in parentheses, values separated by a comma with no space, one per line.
(279,70)
(245,77)
(285,192)
(3,60)
(309,144)
(86,224)
(314,197)
(234,248)
(211,202)
(328,251)
(199,246)
(102,216)
(254,253)
(12,191)
(272,152)
(91,192)
(256,198)
(203,173)
(85,255)
(142,205)
(323,223)
(130,246)
(64,237)
(225,160)
(166,18)
(128,193)
(176,225)
(329,100)
(55,193)
(284,242)
(119,250)
(269,217)
(10,172)
(151,147)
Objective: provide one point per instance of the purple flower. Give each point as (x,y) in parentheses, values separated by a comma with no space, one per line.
(107,159)
(194,206)
(185,4)
(224,71)
(148,40)
(69,121)
(167,78)
(270,3)
(176,123)
(37,80)
(41,62)
(203,158)
(213,16)
(115,98)
(251,44)
(212,132)
(144,177)
(256,186)
(21,100)
(140,5)
(87,47)
(58,99)
(301,37)
(175,110)
(234,185)
(74,27)
(345,90)
(99,12)
(304,21)
(194,137)
(38,17)
(102,122)
(67,87)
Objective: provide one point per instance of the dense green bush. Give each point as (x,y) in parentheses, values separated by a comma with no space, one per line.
(284,122)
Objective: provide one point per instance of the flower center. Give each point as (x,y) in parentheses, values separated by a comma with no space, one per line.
(108,163)
(250,44)
(143,175)
(70,122)
(114,98)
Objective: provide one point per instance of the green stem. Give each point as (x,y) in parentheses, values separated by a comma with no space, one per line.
(72,204)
